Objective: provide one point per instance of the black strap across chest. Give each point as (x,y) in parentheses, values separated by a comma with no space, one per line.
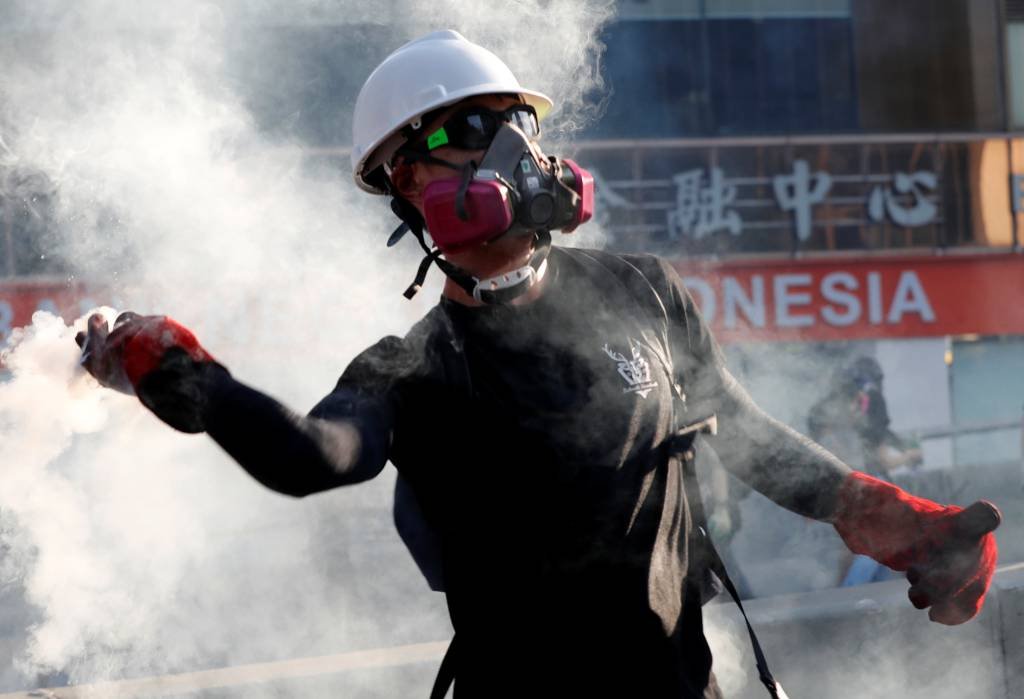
(682,442)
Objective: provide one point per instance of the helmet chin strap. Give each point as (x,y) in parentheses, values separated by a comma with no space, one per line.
(491,290)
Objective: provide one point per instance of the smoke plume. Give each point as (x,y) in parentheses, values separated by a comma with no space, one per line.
(198,155)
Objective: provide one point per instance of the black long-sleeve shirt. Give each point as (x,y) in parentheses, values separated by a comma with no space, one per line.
(534,438)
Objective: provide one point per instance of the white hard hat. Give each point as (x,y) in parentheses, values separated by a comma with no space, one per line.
(433,71)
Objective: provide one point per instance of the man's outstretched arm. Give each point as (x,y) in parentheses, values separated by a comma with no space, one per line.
(949,553)
(771,457)
(343,440)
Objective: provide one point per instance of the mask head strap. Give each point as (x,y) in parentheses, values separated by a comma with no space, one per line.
(468,172)
(412,221)
(410,156)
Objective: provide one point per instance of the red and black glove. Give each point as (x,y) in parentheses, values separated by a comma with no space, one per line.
(155,358)
(948,553)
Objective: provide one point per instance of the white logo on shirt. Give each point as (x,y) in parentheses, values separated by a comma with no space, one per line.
(635,371)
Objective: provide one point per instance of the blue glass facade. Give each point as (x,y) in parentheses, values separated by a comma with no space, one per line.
(719,77)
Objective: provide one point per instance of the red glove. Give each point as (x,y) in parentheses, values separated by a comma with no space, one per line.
(948,553)
(153,357)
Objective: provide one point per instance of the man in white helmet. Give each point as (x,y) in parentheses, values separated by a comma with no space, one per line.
(541,416)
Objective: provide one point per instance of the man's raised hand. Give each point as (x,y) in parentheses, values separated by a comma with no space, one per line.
(154,357)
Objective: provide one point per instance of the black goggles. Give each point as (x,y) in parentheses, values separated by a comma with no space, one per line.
(473,128)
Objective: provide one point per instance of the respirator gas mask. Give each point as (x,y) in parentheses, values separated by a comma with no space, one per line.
(513,191)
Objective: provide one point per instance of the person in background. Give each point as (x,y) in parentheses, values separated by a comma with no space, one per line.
(852,421)
(884,450)
(835,422)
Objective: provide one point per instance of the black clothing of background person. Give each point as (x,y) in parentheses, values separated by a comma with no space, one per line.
(852,421)
(564,526)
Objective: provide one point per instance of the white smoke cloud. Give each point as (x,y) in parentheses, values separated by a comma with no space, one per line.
(143,550)
(109,514)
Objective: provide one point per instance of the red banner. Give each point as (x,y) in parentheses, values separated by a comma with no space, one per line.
(752,300)
(846,299)
(20,298)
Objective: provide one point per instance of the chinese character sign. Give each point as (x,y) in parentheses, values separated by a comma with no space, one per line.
(700,209)
(799,191)
(776,209)
(606,196)
(607,200)
(921,210)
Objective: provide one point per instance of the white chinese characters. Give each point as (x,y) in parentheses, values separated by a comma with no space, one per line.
(706,201)
(701,208)
(799,191)
(888,201)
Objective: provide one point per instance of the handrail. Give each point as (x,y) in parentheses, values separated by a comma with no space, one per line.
(762,140)
(186,682)
(970,428)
